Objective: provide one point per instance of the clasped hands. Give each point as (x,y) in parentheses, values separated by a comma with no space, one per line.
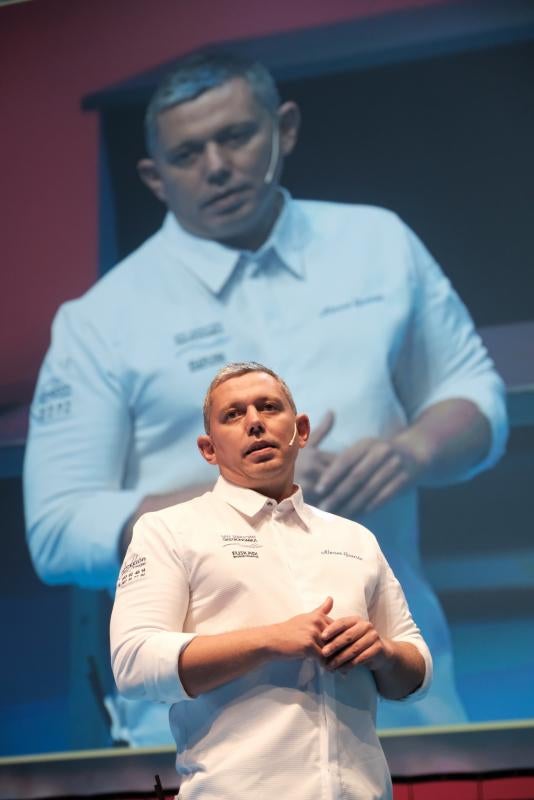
(359,479)
(337,643)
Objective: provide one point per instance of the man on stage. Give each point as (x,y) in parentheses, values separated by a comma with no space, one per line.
(269,626)
(329,294)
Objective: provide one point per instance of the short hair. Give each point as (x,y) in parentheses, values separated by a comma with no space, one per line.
(235,370)
(201,71)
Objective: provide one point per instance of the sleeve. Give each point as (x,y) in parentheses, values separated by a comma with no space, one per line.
(389,613)
(151,603)
(79,436)
(443,357)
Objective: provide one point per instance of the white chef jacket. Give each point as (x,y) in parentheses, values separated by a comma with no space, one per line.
(234,559)
(343,301)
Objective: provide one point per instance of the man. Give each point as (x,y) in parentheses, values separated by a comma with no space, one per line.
(269,625)
(332,295)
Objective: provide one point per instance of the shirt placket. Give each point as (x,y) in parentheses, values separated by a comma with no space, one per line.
(289,542)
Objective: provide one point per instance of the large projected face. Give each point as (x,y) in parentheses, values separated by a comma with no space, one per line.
(213,161)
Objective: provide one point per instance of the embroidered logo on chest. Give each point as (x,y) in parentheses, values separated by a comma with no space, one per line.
(248,540)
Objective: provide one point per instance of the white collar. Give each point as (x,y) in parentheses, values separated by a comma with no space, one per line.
(213,263)
(249,502)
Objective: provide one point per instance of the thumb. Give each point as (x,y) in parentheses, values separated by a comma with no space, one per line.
(323,429)
(326,606)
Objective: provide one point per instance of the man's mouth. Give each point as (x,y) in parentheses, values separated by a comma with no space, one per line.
(257,446)
(226,197)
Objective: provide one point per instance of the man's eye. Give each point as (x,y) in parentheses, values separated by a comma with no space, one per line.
(237,138)
(184,159)
(232,414)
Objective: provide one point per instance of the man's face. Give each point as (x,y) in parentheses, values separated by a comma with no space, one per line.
(252,434)
(211,159)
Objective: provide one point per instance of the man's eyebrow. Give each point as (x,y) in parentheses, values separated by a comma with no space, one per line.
(246,124)
(187,144)
(260,399)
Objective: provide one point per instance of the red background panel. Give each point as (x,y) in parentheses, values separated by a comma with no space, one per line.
(402,791)
(515,788)
(445,790)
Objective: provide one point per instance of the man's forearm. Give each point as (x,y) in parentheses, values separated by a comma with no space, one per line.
(211,661)
(446,440)
(402,673)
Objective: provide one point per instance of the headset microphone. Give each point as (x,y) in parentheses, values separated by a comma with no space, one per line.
(273,161)
(294,436)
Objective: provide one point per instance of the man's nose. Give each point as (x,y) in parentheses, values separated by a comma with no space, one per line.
(217,165)
(254,422)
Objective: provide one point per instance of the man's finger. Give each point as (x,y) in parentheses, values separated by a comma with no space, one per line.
(338,626)
(361,651)
(322,430)
(354,480)
(366,501)
(326,606)
(397,485)
(342,464)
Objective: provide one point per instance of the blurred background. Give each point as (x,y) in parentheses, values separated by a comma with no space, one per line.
(426,108)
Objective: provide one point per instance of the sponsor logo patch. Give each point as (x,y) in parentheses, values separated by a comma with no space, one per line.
(53,402)
(134,569)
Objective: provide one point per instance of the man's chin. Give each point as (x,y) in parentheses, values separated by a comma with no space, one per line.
(242,228)
(232,229)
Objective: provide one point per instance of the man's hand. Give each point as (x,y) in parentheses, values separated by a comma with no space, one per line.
(397,667)
(444,442)
(367,475)
(301,636)
(312,462)
(352,640)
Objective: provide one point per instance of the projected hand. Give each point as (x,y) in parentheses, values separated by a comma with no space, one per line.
(366,475)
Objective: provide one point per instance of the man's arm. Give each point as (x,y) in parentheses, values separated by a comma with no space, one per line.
(444,442)
(453,399)
(79,518)
(211,661)
(77,447)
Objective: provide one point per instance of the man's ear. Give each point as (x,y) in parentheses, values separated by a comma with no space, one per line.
(303,429)
(289,125)
(206,448)
(149,174)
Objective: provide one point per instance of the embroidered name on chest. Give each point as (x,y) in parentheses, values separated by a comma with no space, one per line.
(343,553)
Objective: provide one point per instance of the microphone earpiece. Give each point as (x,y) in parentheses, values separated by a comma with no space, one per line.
(294,436)
(275,151)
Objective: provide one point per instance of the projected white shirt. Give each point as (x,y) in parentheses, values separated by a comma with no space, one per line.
(233,559)
(343,301)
